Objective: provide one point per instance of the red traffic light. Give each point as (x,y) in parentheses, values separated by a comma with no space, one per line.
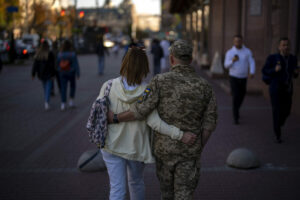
(81,14)
(62,13)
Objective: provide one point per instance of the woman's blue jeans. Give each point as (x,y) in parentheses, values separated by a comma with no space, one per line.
(101,60)
(65,78)
(47,85)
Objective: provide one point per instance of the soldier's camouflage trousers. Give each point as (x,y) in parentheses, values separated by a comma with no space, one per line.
(178,179)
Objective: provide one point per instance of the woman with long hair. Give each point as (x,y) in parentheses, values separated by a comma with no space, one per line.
(127,145)
(44,67)
(68,69)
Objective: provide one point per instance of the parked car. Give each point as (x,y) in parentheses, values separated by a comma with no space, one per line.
(4,49)
(32,40)
(23,50)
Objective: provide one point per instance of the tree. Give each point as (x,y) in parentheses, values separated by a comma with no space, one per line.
(6,18)
(40,20)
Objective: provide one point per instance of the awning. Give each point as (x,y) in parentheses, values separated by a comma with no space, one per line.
(181,6)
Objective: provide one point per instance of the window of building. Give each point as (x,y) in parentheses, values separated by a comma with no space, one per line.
(195,22)
(188,22)
(199,25)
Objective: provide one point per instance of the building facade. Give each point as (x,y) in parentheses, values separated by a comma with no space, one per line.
(148,22)
(121,19)
(211,24)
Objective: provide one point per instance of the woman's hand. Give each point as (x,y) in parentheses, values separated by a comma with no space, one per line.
(189,138)
(110,116)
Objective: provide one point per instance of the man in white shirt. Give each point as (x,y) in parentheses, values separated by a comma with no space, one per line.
(238,60)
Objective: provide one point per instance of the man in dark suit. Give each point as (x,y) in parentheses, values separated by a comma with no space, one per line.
(279,71)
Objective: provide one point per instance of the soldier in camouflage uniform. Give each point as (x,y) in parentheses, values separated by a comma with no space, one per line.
(186,101)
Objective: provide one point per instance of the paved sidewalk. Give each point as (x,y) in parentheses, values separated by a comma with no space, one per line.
(39,150)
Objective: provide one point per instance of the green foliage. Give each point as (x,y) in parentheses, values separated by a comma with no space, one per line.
(6,18)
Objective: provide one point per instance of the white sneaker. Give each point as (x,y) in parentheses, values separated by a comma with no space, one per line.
(62,106)
(71,103)
(47,107)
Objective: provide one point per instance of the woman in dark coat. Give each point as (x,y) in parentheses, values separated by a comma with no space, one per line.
(44,67)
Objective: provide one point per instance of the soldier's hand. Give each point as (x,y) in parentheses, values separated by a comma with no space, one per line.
(189,138)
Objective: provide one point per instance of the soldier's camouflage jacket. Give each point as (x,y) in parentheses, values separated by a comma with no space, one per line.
(184,100)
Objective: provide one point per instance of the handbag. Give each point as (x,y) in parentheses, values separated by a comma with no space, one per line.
(97,121)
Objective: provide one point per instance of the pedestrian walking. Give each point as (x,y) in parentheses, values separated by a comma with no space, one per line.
(238,60)
(278,72)
(68,69)
(165,44)
(116,48)
(157,53)
(56,77)
(187,101)
(44,67)
(127,146)
(101,50)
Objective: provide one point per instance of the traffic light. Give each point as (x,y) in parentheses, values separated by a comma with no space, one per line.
(81,14)
(62,12)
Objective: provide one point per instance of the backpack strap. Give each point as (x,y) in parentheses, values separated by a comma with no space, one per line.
(108,87)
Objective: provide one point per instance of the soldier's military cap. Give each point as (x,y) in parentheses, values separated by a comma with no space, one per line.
(182,50)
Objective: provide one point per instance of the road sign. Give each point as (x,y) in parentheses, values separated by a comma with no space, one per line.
(12,9)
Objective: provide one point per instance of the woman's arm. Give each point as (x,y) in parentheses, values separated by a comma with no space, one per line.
(157,124)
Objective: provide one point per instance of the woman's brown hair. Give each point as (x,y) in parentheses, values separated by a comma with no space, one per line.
(67,46)
(135,66)
(43,52)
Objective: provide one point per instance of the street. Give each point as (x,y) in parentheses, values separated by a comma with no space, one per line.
(39,149)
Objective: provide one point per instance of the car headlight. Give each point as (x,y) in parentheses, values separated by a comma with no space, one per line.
(108,43)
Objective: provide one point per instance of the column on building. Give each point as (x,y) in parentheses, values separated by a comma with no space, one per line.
(195,16)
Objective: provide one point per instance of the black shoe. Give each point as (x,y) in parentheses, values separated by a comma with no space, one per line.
(278,141)
(236,122)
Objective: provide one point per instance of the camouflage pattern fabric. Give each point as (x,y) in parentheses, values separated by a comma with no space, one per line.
(178,179)
(186,101)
